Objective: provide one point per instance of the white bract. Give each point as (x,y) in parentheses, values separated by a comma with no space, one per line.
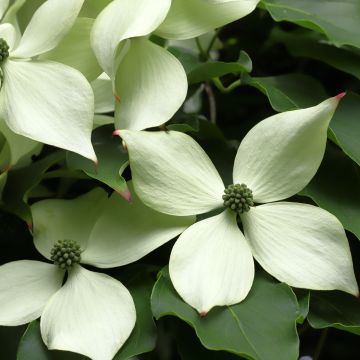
(44,100)
(92,313)
(149,83)
(212,262)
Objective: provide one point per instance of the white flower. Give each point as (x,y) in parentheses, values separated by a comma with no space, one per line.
(212,261)
(92,313)
(149,83)
(43,100)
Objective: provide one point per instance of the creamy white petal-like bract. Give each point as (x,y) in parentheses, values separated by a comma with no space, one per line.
(49,102)
(280,155)
(211,263)
(25,287)
(92,314)
(172,173)
(8,33)
(104,97)
(57,219)
(3,7)
(122,20)
(47,27)
(150,85)
(190,18)
(126,232)
(301,245)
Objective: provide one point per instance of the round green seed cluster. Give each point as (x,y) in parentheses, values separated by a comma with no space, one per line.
(4,50)
(238,198)
(66,253)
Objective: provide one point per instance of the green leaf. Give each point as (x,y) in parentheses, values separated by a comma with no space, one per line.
(334,309)
(291,91)
(213,69)
(22,181)
(112,157)
(187,58)
(336,188)
(314,46)
(338,20)
(143,337)
(249,329)
(346,126)
(75,50)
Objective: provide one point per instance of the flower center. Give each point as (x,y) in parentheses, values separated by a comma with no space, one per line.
(238,198)
(4,50)
(66,253)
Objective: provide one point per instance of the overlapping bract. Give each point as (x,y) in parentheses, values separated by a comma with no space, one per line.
(211,263)
(92,313)
(43,100)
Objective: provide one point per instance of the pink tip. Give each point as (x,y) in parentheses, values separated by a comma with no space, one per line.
(340,96)
(203,314)
(116,133)
(126,195)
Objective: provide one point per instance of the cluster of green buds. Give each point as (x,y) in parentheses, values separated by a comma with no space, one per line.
(4,50)
(66,253)
(238,198)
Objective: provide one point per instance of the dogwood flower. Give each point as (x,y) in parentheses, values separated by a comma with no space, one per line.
(92,313)
(212,261)
(147,79)
(44,100)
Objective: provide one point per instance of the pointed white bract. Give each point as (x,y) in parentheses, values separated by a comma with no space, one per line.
(210,264)
(92,314)
(191,18)
(25,288)
(49,102)
(3,7)
(43,100)
(122,20)
(172,173)
(150,84)
(301,245)
(50,23)
(279,156)
(70,220)
(126,242)
(162,91)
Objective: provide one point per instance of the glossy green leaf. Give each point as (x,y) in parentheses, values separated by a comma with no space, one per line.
(143,337)
(313,45)
(346,126)
(74,50)
(336,188)
(249,329)
(291,91)
(338,20)
(22,181)
(334,309)
(213,69)
(112,160)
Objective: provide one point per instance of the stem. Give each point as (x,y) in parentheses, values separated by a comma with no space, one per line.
(212,102)
(225,90)
(203,54)
(212,42)
(320,344)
